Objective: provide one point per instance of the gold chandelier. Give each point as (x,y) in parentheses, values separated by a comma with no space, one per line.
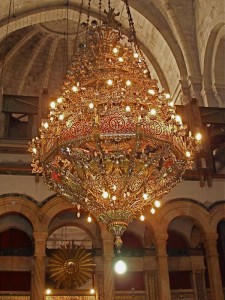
(113,143)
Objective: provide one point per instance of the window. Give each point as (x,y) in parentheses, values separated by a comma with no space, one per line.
(20,116)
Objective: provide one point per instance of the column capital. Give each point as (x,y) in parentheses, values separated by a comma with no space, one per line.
(108,248)
(40,239)
(40,236)
(212,236)
(161,238)
(210,242)
(161,244)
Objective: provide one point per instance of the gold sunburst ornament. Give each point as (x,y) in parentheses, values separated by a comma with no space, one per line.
(71,266)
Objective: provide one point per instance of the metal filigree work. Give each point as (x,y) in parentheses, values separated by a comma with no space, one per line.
(71,266)
(113,142)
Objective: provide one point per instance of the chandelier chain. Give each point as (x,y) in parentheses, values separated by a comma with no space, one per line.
(88,12)
(109,4)
(100,11)
(134,35)
(78,25)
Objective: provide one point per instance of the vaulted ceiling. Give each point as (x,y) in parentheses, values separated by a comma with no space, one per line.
(183,41)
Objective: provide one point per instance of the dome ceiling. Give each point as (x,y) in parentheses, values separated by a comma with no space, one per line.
(40,43)
(41,37)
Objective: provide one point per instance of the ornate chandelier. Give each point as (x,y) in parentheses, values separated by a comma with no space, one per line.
(113,143)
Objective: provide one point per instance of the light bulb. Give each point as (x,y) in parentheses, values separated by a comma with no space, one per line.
(142,218)
(115,50)
(135,55)
(53,105)
(157,203)
(145,196)
(109,82)
(120,267)
(75,89)
(153,112)
(61,117)
(48,291)
(178,119)
(198,136)
(188,153)
(167,96)
(171,103)
(127,108)
(89,219)
(60,100)
(152,210)
(105,195)
(34,150)
(151,92)
(91,105)
(92,291)
(120,59)
(128,83)
(113,198)
(45,125)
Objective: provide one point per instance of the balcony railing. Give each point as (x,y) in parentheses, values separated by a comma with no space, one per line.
(17,252)
(184,252)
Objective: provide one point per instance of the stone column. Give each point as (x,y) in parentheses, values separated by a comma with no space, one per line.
(99,285)
(108,248)
(2,116)
(38,278)
(199,284)
(213,266)
(163,272)
(151,285)
(209,97)
(204,161)
(220,94)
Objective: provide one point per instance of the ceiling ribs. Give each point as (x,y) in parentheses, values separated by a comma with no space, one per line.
(27,70)
(50,60)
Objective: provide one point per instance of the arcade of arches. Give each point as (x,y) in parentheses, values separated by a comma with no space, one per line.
(178,252)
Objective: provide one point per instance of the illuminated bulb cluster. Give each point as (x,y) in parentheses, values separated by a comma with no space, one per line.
(155,205)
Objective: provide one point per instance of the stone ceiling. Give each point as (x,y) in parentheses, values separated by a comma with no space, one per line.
(173,35)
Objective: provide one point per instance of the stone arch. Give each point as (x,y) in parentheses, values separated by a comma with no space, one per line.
(16,221)
(134,237)
(179,237)
(20,205)
(210,57)
(217,214)
(54,207)
(185,208)
(75,224)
